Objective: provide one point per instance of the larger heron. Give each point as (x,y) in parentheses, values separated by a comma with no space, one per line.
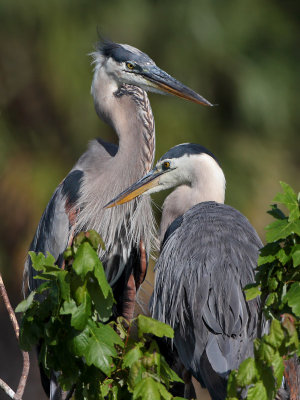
(121,77)
(209,252)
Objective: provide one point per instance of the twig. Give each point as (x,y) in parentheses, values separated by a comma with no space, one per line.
(26,364)
(4,386)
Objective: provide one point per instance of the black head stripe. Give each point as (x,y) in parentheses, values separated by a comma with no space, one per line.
(187,149)
(120,54)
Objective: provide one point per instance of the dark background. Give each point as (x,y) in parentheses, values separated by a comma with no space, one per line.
(242,55)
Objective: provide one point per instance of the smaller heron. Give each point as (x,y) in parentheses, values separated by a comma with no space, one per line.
(209,253)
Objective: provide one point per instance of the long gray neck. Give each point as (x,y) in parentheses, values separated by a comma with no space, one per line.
(128,111)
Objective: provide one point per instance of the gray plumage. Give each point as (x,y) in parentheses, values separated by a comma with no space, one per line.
(122,75)
(208,255)
(209,252)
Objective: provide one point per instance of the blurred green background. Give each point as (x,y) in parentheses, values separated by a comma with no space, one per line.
(242,55)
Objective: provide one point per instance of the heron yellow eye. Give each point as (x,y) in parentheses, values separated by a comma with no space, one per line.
(166,165)
(129,65)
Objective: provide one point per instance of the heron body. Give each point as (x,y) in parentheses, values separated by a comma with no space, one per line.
(121,77)
(208,254)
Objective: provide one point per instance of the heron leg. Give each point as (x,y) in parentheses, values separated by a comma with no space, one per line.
(129,298)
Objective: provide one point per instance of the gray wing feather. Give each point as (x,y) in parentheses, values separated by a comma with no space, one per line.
(205,262)
(52,234)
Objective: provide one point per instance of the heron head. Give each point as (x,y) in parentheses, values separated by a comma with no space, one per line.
(186,164)
(126,64)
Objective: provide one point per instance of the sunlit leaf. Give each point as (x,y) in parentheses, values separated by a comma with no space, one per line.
(157,328)
(293,298)
(25,304)
(258,391)
(289,199)
(252,291)
(86,259)
(247,372)
(281,229)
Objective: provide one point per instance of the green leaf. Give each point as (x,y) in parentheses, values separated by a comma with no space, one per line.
(80,314)
(293,298)
(272,284)
(252,291)
(289,199)
(266,352)
(276,212)
(258,391)
(232,385)
(25,304)
(100,348)
(95,239)
(106,387)
(150,325)
(167,373)
(247,372)
(147,389)
(64,284)
(276,335)
(78,343)
(39,261)
(283,256)
(103,305)
(272,297)
(296,255)
(268,253)
(132,356)
(101,277)
(281,229)
(278,369)
(86,259)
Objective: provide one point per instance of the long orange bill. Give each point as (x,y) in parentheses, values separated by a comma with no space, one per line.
(147,182)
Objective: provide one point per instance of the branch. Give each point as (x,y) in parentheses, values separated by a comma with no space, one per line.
(26,364)
(4,386)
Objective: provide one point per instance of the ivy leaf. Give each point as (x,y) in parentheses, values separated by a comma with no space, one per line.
(289,199)
(86,259)
(247,372)
(252,291)
(293,298)
(281,229)
(157,328)
(25,304)
(258,391)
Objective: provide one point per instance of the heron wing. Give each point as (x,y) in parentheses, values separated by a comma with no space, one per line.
(208,255)
(55,226)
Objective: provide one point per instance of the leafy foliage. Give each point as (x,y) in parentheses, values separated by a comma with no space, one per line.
(69,316)
(278,283)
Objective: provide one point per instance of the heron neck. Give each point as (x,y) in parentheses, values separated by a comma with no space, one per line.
(135,128)
(127,109)
(208,184)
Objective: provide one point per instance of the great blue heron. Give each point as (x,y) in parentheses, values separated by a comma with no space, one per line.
(121,77)
(209,251)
